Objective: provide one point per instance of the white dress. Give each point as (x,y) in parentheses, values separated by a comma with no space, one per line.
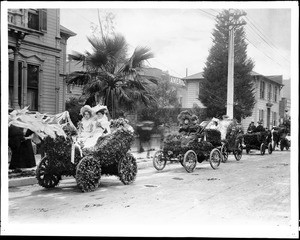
(86,130)
(100,125)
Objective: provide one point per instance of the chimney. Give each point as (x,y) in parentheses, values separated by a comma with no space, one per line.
(186,72)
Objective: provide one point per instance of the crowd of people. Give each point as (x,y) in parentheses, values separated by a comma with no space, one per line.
(252,128)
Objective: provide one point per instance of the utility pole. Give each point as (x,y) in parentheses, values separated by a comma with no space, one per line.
(233,23)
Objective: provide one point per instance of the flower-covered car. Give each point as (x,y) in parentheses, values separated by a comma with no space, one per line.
(189,147)
(65,157)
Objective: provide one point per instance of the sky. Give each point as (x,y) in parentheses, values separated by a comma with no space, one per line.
(180,38)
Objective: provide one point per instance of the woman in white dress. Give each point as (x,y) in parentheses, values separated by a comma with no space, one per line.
(101,125)
(86,126)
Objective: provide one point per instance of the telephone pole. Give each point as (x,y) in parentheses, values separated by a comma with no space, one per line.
(233,23)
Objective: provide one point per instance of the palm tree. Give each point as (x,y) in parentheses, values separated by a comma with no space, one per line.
(111,77)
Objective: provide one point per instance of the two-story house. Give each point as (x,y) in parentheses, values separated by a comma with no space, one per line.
(267,97)
(37,56)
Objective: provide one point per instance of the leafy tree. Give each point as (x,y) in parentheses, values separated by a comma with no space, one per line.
(165,93)
(111,77)
(213,90)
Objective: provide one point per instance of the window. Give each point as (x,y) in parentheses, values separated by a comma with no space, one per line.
(11,83)
(275,93)
(270,92)
(262,89)
(37,19)
(32,86)
(261,115)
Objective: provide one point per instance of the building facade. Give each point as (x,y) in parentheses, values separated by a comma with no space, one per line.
(285,102)
(267,96)
(192,91)
(37,55)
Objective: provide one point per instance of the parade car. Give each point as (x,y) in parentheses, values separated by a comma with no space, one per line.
(259,141)
(188,150)
(64,156)
(233,142)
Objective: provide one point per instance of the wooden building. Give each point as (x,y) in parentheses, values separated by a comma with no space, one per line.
(37,56)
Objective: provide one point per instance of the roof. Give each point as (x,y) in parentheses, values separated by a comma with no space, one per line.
(273,78)
(276,78)
(67,31)
(194,76)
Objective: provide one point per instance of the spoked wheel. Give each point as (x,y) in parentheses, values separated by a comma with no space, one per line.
(238,152)
(159,161)
(262,149)
(270,148)
(127,169)
(88,174)
(46,175)
(215,158)
(190,161)
(224,152)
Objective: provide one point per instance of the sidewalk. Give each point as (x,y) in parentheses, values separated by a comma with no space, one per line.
(18,179)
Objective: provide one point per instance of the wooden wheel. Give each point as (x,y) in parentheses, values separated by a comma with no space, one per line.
(215,158)
(127,169)
(46,174)
(159,161)
(190,161)
(238,152)
(88,174)
(224,152)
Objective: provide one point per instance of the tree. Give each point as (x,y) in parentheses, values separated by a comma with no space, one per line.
(213,90)
(165,93)
(112,78)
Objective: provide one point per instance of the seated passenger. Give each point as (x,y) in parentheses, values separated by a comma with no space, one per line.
(101,126)
(184,128)
(194,127)
(260,127)
(251,128)
(86,125)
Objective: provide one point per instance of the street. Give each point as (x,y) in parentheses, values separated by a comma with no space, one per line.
(252,191)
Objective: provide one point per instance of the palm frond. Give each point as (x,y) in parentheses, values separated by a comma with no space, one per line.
(78,78)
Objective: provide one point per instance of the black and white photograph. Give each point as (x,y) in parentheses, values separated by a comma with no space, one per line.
(150,119)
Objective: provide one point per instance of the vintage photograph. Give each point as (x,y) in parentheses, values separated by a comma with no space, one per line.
(150,119)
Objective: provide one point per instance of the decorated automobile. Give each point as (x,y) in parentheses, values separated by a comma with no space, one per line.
(190,145)
(65,156)
(231,137)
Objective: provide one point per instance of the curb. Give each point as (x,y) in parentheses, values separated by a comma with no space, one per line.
(26,181)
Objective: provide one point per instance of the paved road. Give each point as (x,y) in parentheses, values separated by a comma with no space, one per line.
(253,191)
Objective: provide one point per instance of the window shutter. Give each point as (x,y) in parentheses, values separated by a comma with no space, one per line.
(43,19)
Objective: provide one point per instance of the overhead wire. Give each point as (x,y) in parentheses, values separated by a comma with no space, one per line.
(261,31)
(252,35)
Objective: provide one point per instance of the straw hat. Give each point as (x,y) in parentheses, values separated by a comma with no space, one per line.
(99,107)
(86,108)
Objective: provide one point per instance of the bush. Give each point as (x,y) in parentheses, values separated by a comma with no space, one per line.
(73,106)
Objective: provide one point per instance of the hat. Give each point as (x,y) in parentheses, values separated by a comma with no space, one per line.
(99,107)
(194,117)
(86,108)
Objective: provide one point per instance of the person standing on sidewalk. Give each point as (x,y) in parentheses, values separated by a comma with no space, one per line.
(19,141)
